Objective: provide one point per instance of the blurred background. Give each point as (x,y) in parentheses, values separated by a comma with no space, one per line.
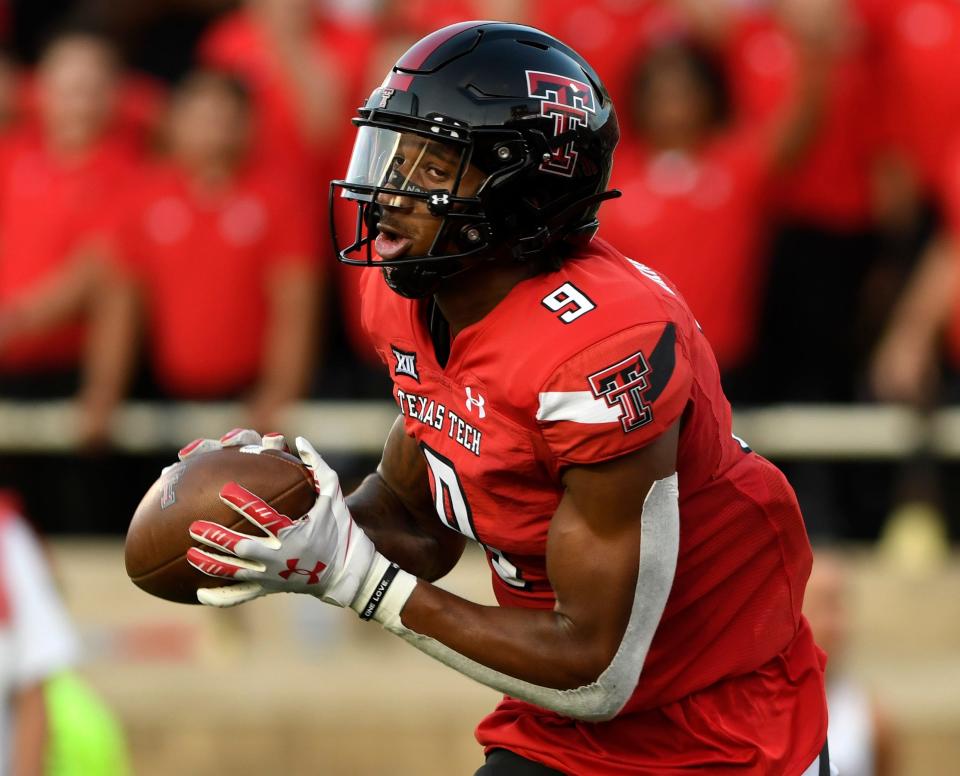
(166,273)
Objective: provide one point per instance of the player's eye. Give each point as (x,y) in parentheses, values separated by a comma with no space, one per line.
(437,174)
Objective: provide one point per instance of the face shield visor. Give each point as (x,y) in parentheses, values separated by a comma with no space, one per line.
(407,186)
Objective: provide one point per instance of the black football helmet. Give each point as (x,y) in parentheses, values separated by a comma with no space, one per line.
(509,101)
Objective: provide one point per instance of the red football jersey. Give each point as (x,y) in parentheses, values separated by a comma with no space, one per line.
(580,366)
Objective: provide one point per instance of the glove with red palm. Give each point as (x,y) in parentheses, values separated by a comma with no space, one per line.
(324,553)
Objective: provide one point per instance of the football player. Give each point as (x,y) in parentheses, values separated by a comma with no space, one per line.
(560,407)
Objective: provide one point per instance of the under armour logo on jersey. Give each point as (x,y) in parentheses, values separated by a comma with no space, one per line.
(313,576)
(406,363)
(475,401)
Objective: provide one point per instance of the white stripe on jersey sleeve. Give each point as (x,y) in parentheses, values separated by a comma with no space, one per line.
(578,406)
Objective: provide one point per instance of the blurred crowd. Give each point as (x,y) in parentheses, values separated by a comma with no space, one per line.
(792,165)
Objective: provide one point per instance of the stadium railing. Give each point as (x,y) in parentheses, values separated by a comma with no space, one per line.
(352,427)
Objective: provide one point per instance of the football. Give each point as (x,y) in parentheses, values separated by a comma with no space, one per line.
(158,537)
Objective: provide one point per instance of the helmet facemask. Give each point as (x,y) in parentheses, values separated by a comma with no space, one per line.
(420,217)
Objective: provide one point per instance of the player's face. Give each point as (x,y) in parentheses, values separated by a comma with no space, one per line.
(406,226)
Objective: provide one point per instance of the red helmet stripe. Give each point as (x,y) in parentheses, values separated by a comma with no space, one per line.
(419,53)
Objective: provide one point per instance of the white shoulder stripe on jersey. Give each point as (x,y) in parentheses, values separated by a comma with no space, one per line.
(578,406)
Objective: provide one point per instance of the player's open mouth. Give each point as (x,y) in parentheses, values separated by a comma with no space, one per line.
(390,244)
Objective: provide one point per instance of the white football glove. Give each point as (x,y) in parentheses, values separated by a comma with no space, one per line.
(238,437)
(324,553)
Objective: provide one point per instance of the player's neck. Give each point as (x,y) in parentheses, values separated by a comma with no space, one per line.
(468,297)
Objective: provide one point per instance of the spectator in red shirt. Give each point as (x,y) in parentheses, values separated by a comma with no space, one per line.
(611,35)
(830,190)
(696,187)
(822,209)
(61,181)
(918,358)
(11,93)
(306,71)
(920,45)
(62,178)
(919,42)
(224,257)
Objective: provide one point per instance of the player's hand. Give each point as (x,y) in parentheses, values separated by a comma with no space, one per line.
(238,437)
(324,553)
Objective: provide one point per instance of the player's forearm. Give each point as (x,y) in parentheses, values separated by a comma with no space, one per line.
(394,531)
(29,732)
(543,647)
(582,659)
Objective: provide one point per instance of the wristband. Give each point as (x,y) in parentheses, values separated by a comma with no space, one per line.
(378,592)
(384,592)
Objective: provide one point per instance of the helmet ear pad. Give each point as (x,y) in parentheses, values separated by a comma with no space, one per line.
(526,214)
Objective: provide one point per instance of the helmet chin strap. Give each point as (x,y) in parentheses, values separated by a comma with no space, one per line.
(419,281)
(412,282)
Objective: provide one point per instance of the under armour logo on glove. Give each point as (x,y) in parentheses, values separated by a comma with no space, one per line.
(324,553)
(314,576)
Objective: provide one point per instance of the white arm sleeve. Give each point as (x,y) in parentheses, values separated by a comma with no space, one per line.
(43,638)
(604,698)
